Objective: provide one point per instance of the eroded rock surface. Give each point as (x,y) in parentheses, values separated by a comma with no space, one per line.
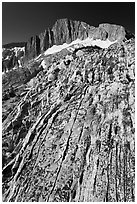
(70,135)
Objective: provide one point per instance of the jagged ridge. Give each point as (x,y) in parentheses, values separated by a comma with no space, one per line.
(66,31)
(63,31)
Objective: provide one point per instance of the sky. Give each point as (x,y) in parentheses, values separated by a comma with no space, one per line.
(21,20)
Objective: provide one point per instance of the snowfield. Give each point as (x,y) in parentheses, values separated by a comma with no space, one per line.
(86,42)
(43,64)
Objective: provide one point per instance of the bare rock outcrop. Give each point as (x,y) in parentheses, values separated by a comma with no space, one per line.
(32,48)
(72,138)
(114,32)
(12,55)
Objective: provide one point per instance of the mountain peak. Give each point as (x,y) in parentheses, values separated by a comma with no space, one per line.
(66,30)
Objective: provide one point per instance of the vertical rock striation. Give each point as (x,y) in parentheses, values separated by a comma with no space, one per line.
(66,31)
(32,48)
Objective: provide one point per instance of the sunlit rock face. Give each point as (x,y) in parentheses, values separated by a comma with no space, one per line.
(69,123)
(114,32)
(66,31)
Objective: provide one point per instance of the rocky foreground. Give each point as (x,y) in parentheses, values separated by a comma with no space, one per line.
(68,127)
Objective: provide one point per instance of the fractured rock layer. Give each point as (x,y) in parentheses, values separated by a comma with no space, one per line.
(70,136)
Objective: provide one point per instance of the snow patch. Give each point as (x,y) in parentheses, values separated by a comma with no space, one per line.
(14,68)
(38,58)
(98,42)
(87,42)
(58,48)
(43,64)
(7,58)
(19,63)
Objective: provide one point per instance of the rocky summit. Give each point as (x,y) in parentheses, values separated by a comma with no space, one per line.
(68,116)
(66,31)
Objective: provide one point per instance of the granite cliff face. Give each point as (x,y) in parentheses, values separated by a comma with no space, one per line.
(68,121)
(66,31)
(32,48)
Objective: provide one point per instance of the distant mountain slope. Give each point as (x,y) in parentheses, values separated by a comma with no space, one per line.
(12,57)
(14,44)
